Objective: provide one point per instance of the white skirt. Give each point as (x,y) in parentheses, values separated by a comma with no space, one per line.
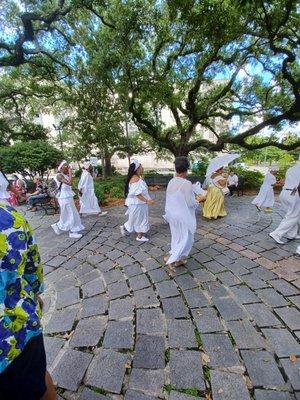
(69,217)
(138,218)
(182,240)
(265,197)
(89,203)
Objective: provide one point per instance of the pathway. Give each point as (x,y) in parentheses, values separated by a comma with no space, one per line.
(118,326)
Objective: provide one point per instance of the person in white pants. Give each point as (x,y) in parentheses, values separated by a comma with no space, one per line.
(69,217)
(290,200)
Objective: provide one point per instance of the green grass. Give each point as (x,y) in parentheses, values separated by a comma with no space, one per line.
(98,390)
(198,339)
(191,392)
(167,355)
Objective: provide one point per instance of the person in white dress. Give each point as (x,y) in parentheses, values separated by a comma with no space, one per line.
(265,199)
(88,201)
(69,217)
(4,185)
(290,200)
(180,214)
(137,203)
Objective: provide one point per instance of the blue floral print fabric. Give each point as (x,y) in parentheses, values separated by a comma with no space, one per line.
(21,280)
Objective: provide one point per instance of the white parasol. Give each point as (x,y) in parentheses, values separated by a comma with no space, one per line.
(219,162)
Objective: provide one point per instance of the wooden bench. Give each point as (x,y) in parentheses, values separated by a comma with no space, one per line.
(49,205)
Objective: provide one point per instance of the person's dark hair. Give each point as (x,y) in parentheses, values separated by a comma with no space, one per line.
(181,164)
(130,174)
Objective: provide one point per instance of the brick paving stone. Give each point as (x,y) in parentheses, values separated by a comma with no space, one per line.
(271,297)
(121,309)
(158,275)
(57,261)
(118,289)
(174,307)
(186,370)
(186,282)
(233,255)
(181,333)
(291,317)
(228,386)
(92,288)
(52,347)
(105,265)
(82,269)
(295,300)
(134,395)
(139,282)
(113,276)
(286,274)
(125,260)
(69,281)
(203,275)
(272,395)
(95,259)
(114,254)
(262,315)
(107,371)
(149,352)
(238,270)
(90,276)
(271,255)
(207,320)
(220,350)
(62,320)
(229,309)
(57,275)
(146,298)
(282,342)
(67,297)
(119,335)
(88,394)
(148,381)
(132,270)
(96,305)
(262,369)
(245,336)
(228,279)
(167,289)
(244,295)
(263,273)
(195,298)
(284,287)
(215,267)
(88,332)
(292,369)
(150,264)
(71,368)
(254,282)
(246,263)
(150,322)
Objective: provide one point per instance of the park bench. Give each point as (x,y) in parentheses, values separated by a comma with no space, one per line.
(49,205)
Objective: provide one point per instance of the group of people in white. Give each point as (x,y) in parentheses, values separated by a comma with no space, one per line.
(182,200)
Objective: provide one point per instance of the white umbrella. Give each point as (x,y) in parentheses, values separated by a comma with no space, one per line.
(219,162)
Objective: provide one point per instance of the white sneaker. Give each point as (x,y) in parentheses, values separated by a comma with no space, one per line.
(298,250)
(56,229)
(294,238)
(276,238)
(123,230)
(75,235)
(142,239)
(103,213)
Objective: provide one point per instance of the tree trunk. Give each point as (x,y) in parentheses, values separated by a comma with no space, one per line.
(108,166)
(103,165)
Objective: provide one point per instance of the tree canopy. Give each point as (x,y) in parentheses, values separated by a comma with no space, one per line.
(230,68)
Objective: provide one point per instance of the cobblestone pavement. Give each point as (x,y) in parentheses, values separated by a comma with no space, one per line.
(119,326)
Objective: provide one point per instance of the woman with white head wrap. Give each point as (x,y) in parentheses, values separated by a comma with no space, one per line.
(69,217)
(88,200)
(137,201)
(265,199)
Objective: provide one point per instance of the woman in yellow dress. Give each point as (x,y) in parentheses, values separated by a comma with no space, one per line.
(214,205)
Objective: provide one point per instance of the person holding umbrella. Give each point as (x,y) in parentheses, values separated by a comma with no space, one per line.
(214,206)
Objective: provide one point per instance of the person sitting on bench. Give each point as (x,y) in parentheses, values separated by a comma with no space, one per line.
(232,182)
(39,195)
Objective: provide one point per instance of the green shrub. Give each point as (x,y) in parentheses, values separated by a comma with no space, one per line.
(100,193)
(252,179)
(117,192)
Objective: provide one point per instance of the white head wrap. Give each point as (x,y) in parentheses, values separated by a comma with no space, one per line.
(86,165)
(274,168)
(136,163)
(64,162)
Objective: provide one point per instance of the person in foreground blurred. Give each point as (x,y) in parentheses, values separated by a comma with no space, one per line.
(289,227)
(137,201)
(23,374)
(6,189)
(265,199)
(214,206)
(180,214)
(88,201)
(69,217)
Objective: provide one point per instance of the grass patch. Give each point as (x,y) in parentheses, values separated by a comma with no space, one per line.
(98,390)
(198,339)
(206,371)
(191,392)
(232,339)
(167,355)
